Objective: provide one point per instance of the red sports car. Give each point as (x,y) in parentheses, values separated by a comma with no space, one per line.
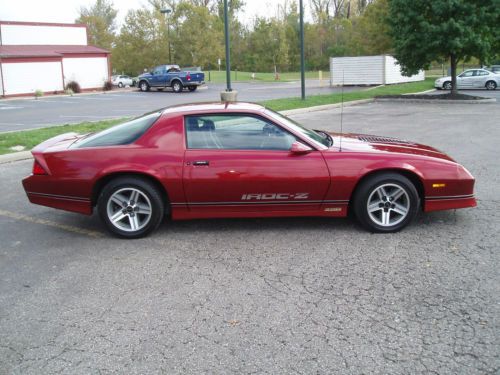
(215,160)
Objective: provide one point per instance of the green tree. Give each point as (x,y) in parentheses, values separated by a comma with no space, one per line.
(429,30)
(371,32)
(198,36)
(142,42)
(100,21)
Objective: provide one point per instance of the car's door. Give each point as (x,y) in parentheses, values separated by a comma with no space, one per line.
(481,78)
(243,163)
(158,76)
(466,79)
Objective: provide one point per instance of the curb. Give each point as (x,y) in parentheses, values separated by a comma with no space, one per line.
(325,107)
(16,156)
(437,101)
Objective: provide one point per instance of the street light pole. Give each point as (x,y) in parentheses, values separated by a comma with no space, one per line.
(226,37)
(302,59)
(167,12)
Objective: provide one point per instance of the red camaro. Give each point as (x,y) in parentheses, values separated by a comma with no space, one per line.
(240,160)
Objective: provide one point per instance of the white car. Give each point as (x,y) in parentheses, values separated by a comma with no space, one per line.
(471,79)
(122,81)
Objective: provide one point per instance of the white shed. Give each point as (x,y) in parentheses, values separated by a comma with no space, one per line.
(368,70)
(46,56)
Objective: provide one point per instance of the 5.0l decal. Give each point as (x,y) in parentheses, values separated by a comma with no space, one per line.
(274,196)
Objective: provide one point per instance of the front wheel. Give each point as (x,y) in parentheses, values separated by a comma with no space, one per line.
(130,207)
(447,85)
(192,88)
(120,85)
(386,203)
(144,86)
(177,86)
(491,85)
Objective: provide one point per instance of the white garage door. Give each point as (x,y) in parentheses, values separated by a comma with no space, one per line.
(27,77)
(89,72)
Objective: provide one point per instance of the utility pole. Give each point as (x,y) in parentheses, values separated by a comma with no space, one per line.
(226,35)
(229,95)
(302,59)
(167,12)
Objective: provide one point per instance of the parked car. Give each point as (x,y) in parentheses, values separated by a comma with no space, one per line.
(215,160)
(471,79)
(495,69)
(122,81)
(164,76)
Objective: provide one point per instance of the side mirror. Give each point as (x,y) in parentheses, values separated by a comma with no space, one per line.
(300,148)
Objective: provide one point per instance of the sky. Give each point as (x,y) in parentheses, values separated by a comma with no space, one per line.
(66,11)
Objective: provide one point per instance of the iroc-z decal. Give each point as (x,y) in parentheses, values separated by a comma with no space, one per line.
(275,196)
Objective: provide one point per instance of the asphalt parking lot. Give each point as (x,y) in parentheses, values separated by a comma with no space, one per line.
(277,296)
(28,113)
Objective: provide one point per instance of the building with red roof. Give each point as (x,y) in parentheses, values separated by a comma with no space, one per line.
(45,57)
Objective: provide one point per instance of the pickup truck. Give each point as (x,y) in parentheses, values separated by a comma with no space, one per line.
(164,76)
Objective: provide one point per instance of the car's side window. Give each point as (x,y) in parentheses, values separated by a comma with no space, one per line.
(235,132)
(468,73)
(159,70)
(483,73)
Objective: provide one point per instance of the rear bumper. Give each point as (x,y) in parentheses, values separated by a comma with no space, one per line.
(449,202)
(63,202)
(194,83)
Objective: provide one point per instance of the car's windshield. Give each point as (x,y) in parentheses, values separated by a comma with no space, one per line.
(121,134)
(319,137)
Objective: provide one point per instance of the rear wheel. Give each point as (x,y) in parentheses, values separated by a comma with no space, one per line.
(177,86)
(144,86)
(386,203)
(447,85)
(491,85)
(192,88)
(130,207)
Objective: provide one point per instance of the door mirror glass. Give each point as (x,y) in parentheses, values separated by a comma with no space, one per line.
(300,148)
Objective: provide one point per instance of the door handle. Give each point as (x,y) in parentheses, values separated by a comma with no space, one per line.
(201,162)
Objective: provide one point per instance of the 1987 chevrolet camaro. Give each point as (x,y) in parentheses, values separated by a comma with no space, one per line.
(226,160)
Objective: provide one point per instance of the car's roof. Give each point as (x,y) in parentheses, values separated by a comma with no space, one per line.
(214,107)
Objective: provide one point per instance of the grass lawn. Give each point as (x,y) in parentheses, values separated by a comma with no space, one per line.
(314,100)
(220,77)
(31,138)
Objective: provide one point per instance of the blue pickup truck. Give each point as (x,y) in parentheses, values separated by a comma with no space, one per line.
(164,76)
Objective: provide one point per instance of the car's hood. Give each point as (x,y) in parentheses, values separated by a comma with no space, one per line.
(145,75)
(375,143)
(444,78)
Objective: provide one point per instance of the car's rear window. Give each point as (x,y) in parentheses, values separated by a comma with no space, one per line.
(122,134)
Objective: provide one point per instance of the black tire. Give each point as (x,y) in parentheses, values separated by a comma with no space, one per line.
(144,86)
(447,85)
(491,85)
(383,207)
(132,218)
(120,85)
(192,88)
(177,86)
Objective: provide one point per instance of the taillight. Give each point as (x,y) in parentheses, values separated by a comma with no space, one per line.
(38,169)
(188,77)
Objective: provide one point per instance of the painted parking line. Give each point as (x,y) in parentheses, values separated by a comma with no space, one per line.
(50,223)
(90,116)
(52,101)
(7,108)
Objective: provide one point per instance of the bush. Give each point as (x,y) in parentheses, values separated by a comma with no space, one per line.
(73,86)
(108,86)
(38,93)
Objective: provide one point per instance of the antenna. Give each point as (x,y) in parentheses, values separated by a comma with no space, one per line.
(341,112)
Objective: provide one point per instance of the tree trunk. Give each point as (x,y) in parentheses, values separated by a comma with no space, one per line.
(453,63)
